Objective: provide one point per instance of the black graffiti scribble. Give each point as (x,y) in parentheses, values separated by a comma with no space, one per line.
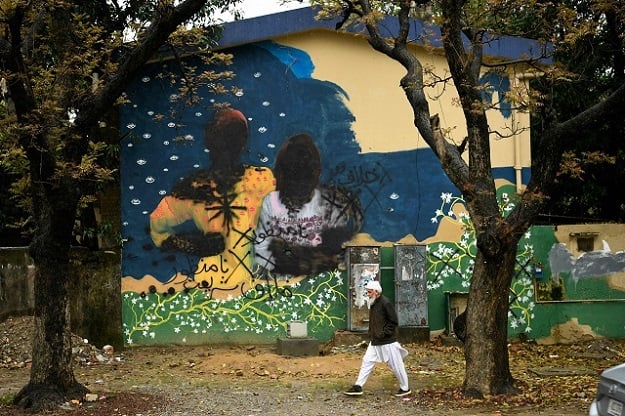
(362,181)
(359,176)
(222,207)
(215,278)
(268,291)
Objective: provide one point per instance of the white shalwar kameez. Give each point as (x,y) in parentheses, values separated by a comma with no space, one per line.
(392,354)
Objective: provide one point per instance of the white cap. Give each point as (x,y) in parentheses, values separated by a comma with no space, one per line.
(374,285)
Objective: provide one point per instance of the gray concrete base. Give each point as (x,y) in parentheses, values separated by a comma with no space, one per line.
(298,347)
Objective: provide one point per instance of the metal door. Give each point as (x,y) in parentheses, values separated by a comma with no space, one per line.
(411,294)
(363,265)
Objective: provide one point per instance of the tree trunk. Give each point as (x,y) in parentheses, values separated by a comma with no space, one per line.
(52,378)
(486,352)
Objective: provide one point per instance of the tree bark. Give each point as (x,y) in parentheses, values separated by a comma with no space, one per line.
(486,354)
(52,378)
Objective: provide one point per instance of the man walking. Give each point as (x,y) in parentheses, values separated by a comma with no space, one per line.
(383,346)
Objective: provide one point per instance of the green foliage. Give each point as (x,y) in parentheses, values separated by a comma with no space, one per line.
(7,399)
(65,65)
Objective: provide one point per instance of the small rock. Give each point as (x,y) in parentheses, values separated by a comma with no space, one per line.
(108,350)
(91,397)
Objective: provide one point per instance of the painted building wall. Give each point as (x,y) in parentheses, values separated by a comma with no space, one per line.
(559,294)
(581,294)
(378,185)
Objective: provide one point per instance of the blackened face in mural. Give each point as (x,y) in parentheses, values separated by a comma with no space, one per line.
(297,171)
(226,137)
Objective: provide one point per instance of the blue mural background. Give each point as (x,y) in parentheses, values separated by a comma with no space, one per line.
(163,142)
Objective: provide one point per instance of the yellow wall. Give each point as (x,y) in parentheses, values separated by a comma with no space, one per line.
(384,121)
(612,234)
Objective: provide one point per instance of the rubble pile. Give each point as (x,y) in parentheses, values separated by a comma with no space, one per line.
(16,335)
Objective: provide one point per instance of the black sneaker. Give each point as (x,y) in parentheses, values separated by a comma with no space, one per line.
(354,390)
(402,393)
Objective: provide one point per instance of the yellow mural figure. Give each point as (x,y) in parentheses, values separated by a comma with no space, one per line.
(222,203)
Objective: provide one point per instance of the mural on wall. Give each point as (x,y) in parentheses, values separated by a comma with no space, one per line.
(450,263)
(303,224)
(234,209)
(587,277)
(220,205)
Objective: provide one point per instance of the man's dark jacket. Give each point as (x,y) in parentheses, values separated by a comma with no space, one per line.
(382,322)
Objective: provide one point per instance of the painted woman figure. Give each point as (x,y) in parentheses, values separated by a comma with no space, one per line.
(222,204)
(303,224)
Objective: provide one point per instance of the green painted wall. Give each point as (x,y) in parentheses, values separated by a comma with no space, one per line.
(260,316)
